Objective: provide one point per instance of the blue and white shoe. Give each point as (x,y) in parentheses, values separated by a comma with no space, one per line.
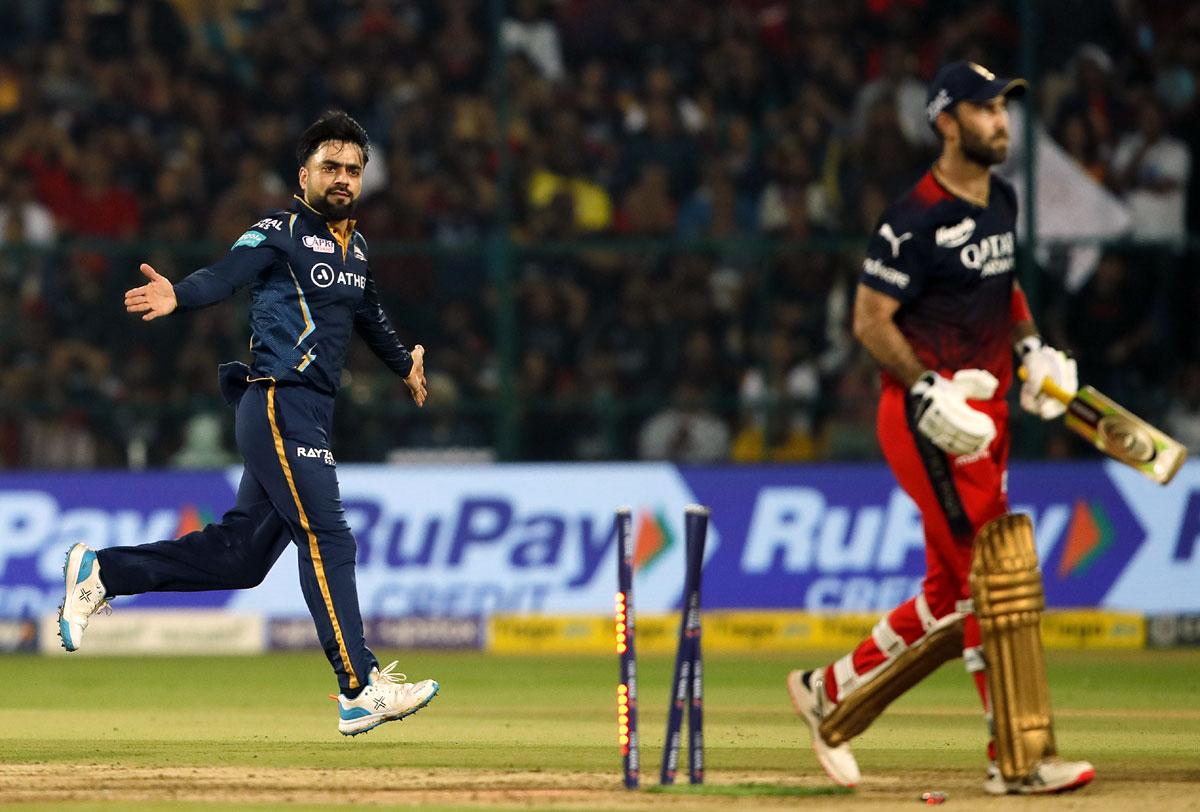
(83,598)
(386,698)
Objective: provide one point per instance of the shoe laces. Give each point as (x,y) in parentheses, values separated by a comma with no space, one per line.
(387,677)
(100,605)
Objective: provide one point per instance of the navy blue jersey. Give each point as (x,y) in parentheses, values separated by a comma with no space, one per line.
(951,263)
(309,290)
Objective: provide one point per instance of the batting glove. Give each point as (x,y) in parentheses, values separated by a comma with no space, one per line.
(1042,362)
(944,416)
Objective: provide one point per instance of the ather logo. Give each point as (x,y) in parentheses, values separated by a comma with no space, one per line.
(322,275)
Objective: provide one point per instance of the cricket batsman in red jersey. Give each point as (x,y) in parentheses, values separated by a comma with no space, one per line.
(939,307)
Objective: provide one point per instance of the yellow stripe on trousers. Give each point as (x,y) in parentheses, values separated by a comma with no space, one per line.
(314,550)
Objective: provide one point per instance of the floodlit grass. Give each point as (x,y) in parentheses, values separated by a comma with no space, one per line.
(554,715)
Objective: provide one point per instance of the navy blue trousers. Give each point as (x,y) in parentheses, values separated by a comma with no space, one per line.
(289,492)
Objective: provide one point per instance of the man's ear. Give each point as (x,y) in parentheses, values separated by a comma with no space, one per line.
(946,124)
(304,177)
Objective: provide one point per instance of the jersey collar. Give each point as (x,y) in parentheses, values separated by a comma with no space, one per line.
(961,195)
(302,207)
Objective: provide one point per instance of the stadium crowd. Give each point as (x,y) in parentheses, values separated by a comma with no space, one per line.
(638,222)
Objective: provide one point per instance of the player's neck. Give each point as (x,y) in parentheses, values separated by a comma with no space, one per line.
(963,177)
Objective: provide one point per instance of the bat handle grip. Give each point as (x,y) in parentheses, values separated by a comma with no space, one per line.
(1049,387)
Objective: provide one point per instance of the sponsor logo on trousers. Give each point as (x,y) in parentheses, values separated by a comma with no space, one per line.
(322,454)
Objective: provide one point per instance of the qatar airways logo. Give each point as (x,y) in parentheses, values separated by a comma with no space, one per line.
(992,255)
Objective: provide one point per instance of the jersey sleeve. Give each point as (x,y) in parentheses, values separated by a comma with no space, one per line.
(372,323)
(251,254)
(898,257)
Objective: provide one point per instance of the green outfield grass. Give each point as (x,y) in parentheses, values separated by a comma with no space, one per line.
(553,717)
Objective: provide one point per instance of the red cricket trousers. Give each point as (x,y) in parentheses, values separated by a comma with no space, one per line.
(956,497)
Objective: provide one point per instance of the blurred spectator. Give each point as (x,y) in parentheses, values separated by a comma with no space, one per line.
(791,194)
(1110,325)
(23,220)
(1091,96)
(103,207)
(716,209)
(662,143)
(563,175)
(685,431)
(1078,140)
(203,444)
(778,404)
(1153,169)
(648,207)
(898,86)
(774,132)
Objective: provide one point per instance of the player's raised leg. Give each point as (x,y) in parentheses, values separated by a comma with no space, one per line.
(807,690)
(234,553)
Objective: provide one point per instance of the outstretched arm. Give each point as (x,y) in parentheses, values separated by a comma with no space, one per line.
(158,297)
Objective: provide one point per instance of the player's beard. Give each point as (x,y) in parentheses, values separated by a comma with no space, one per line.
(332,210)
(975,149)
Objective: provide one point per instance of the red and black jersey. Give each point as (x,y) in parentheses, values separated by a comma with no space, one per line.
(951,263)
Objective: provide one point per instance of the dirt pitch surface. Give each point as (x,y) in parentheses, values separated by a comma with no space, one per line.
(70,785)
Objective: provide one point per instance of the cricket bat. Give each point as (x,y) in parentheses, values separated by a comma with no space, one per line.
(1117,432)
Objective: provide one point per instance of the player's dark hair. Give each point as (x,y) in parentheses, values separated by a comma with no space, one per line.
(336,125)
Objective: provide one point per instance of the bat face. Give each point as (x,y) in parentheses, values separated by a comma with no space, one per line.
(1124,436)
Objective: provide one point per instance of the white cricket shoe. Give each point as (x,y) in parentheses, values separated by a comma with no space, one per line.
(810,702)
(1050,776)
(386,698)
(83,598)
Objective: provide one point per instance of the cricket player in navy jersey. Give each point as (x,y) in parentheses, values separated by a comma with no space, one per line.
(939,307)
(311,287)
